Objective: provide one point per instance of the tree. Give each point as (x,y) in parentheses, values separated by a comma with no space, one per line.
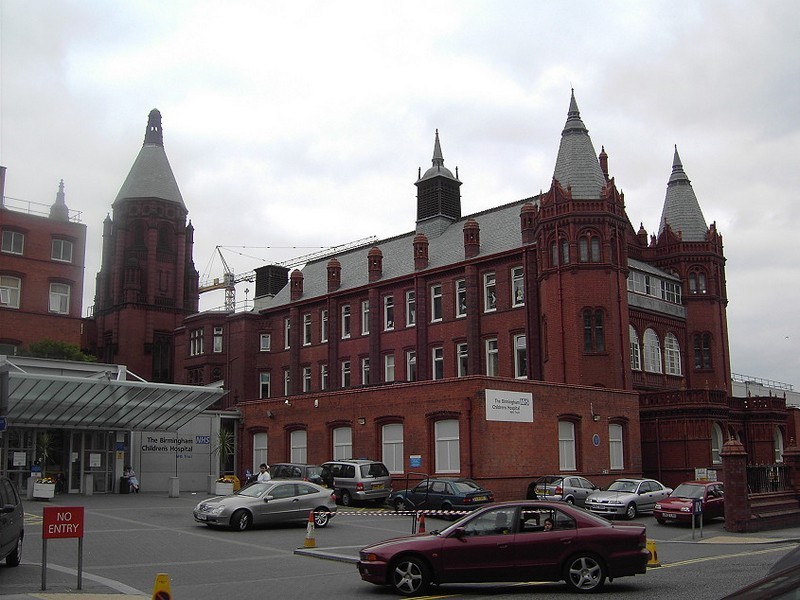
(56,349)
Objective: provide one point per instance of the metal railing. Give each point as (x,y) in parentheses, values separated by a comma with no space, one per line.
(767,478)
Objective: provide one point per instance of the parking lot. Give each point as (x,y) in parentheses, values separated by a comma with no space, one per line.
(130,539)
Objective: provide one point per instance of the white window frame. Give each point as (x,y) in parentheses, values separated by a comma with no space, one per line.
(365,370)
(323,325)
(437,363)
(652,352)
(448,446)
(13,242)
(616,449)
(216,340)
(461,298)
(196,342)
(462,357)
(61,250)
(636,349)
(517,287)
(287,331)
(520,356)
(287,382)
(489,292)
(436,302)
(298,446)
(342,443)
(264,342)
(306,379)
(411,308)
(716,443)
(345,321)
(492,357)
(264,384)
(260,447)
(566,446)
(323,376)
(388,368)
(672,355)
(307,329)
(388,313)
(777,442)
(10,290)
(59,298)
(411,365)
(345,374)
(365,317)
(392,445)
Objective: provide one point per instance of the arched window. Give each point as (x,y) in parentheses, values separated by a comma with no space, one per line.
(716,443)
(652,352)
(342,443)
(553,254)
(137,231)
(702,351)
(392,435)
(672,355)
(298,446)
(777,439)
(448,459)
(260,445)
(165,237)
(615,446)
(589,248)
(697,282)
(593,330)
(564,252)
(636,351)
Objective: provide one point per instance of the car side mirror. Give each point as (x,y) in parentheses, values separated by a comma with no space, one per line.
(7,508)
(268,498)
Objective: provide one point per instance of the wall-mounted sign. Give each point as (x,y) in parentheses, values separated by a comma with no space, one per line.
(502,405)
(415,461)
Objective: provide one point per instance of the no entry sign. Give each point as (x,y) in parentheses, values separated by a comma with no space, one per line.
(62,522)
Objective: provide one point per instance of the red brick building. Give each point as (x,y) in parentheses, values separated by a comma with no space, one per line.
(41,271)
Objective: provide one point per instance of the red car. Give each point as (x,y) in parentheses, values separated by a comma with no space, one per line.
(510,541)
(678,507)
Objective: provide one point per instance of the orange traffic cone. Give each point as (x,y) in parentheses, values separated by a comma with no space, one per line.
(310,542)
(421,523)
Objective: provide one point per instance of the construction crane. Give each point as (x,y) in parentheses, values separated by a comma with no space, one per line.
(228,282)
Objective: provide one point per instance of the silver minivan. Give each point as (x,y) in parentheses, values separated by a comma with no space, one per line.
(12,523)
(357,480)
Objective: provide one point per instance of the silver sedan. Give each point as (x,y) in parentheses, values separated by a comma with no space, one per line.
(277,501)
(627,497)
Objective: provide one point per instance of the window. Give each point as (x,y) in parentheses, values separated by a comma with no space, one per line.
(716,444)
(697,282)
(61,250)
(671,291)
(265,342)
(264,390)
(777,439)
(323,325)
(411,308)
(388,313)
(259,449)
(461,298)
(489,293)
(306,379)
(411,365)
(287,382)
(13,242)
(342,443)
(59,298)
(298,446)
(564,252)
(196,342)
(364,317)
(492,357)
(589,249)
(345,373)
(217,340)
(672,355)
(520,357)
(593,333)
(365,371)
(345,321)
(615,447)
(437,366)
(702,351)
(566,446)
(392,435)
(448,459)
(287,330)
(306,330)
(517,287)
(461,359)
(323,377)
(436,303)
(9,291)
(636,352)
(652,352)
(388,368)
(553,254)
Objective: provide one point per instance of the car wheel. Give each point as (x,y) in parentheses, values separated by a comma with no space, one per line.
(410,577)
(585,573)
(347,500)
(631,512)
(400,505)
(13,559)
(570,500)
(321,517)
(241,520)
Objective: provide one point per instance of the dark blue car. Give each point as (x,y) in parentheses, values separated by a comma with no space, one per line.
(450,495)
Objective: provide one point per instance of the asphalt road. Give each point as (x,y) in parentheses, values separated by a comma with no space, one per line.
(130,539)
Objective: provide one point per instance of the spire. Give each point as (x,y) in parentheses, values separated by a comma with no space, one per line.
(59,210)
(151,175)
(438,159)
(437,163)
(577,164)
(681,209)
(438,195)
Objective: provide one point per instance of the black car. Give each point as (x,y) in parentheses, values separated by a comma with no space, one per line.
(442,494)
(312,473)
(12,523)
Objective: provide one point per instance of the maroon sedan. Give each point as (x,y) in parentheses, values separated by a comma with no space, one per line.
(511,541)
(678,507)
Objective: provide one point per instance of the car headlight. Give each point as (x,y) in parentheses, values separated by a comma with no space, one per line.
(657,506)
(685,509)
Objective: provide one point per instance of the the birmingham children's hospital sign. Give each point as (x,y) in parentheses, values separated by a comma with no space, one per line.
(509,406)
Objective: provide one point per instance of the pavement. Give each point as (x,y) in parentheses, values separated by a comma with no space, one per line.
(62,581)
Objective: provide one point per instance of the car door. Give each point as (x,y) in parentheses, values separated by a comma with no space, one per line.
(540,553)
(283,504)
(437,494)
(307,499)
(417,496)
(483,551)
(714,504)
(580,489)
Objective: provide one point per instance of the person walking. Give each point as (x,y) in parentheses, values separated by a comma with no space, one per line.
(263,473)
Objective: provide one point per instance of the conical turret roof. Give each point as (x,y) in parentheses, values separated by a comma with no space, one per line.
(681,209)
(151,176)
(577,164)
(437,163)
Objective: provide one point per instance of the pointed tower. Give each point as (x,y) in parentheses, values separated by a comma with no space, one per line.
(438,196)
(59,210)
(147,283)
(693,251)
(580,232)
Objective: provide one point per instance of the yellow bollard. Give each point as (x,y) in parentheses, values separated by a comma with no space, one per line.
(651,549)
(161,589)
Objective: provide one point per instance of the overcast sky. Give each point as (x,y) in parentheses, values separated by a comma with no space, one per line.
(292,126)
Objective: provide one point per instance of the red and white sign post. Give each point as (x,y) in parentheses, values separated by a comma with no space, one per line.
(62,522)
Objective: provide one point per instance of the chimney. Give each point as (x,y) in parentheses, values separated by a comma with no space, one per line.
(296,291)
(527,219)
(604,162)
(334,275)
(375,264)
(472,238)
(420,251)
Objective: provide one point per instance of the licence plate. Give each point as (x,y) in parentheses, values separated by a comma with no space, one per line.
(479,498)
(377,486)
(202,517)
(671,515)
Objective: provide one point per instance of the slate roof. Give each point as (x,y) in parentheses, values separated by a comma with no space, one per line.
(151,175)
(681,208)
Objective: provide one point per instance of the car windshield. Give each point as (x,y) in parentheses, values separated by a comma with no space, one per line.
(254,490)
(374,470)
(548,480)
(465,487)
(622,486)
(686,490)
(314,472)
